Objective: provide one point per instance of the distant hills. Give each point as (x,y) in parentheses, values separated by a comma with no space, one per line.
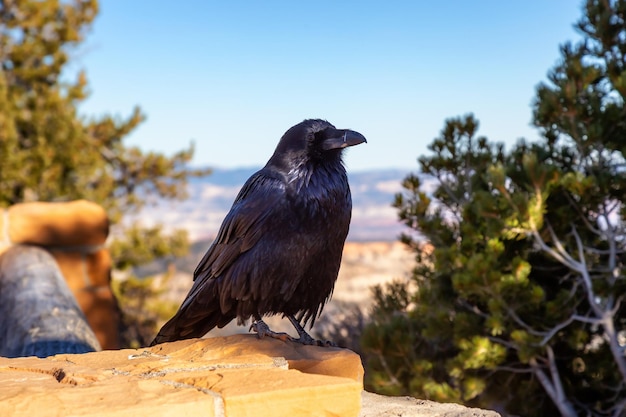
(210,198)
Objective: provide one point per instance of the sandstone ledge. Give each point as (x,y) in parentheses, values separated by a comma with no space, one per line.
(233,376)
(223,376)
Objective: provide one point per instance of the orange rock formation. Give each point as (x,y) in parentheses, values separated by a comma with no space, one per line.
(234,376)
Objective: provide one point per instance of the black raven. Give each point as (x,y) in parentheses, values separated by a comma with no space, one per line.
(279,248)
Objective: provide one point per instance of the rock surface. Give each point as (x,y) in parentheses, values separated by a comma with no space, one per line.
(235,376)
(232,376)
(374,405)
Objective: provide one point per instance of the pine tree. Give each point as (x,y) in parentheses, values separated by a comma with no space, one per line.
(50,152)
(520,300)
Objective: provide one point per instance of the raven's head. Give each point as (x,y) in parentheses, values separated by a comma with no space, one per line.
(313,140)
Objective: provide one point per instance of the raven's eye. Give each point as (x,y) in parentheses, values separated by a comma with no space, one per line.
(319,136)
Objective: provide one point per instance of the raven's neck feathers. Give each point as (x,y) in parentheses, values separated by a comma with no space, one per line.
(300,172)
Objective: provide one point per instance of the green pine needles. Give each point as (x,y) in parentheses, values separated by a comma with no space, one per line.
(517,300)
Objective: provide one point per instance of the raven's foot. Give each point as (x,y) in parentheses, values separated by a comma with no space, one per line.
(261,329)
(306,338)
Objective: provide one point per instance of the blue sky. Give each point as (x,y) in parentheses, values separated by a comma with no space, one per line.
(233,76)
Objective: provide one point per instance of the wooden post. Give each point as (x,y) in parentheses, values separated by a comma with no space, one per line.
(39,316)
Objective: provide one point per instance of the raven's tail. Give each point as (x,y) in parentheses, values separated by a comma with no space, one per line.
(198,314)
(177,329)
(181,327)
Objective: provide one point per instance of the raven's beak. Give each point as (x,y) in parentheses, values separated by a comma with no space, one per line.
(343,139)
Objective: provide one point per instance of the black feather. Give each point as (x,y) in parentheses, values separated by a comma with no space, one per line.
(279,248)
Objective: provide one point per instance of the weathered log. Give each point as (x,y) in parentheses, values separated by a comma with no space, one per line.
(39,316)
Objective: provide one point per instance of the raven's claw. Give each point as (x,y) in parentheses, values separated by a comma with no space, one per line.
(262,330)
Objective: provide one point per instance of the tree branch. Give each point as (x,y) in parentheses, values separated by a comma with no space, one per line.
(514,370)
(575,265)
(522,323)
(392,377)
(570,263)
(582,215)
(503,342)
(611,238)
(616,350)
(564,406)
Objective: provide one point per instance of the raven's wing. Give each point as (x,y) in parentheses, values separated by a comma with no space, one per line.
(256,209)
(257,206)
